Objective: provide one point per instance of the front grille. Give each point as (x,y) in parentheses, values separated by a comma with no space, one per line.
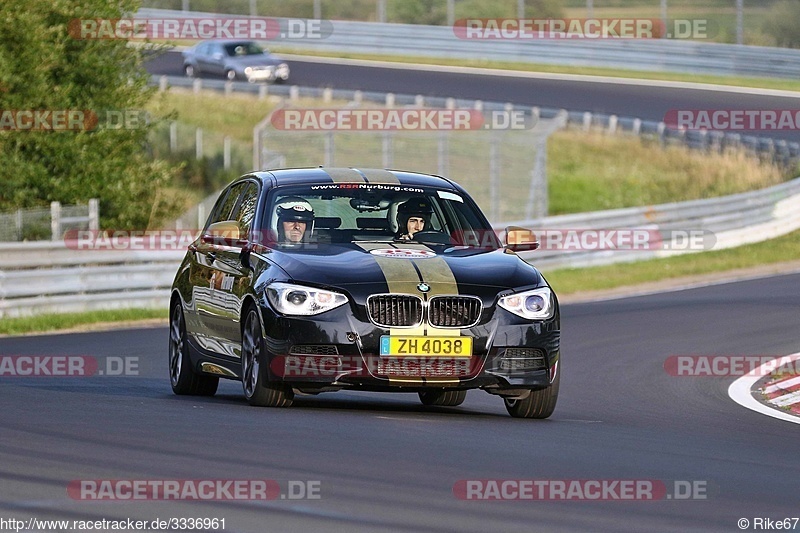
(395,310)
(454,311)
(314,349)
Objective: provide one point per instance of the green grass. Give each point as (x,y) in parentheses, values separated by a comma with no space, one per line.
(595,171)
(54,322)
(566,281)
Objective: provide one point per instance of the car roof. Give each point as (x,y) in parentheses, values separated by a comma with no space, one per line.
(319,175)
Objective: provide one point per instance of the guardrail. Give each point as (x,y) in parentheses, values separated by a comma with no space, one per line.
(659,55)
(46,277)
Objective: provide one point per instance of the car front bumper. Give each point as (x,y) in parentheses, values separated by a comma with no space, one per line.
(336,349)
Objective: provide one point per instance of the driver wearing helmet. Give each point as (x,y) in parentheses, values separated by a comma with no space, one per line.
(295,216)
(413,215)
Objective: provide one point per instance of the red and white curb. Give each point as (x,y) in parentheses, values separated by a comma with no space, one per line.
(784,393)
(781,393)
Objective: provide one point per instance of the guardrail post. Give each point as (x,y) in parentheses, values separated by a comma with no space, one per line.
(262,91)
(197,86)
(163,83)
(450,103)
(389,99)
(294,93)
(226,152)
(253,10)
(381,9)
(198,143)
(55,221)
(94,214)
(185,5)
(537,195)
(358,96)
(443,153)
(387,150)
(478,105)
(587,121)
(637,126)
(173,137)
(612,124)
(451,12)
(228,88)
(494,179)
(661,130)
(419,101)
(18,221)
(201,215)
(330,148)
(327,95)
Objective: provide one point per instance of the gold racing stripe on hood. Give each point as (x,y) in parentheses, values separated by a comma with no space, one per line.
(437,273)
(403,278)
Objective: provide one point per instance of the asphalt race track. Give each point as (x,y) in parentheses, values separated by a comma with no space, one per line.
(383,462)
(642,101)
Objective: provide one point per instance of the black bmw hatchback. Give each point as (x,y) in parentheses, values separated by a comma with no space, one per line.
(322,279)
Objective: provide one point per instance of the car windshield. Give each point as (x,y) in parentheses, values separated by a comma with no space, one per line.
(243,49)
(345,212)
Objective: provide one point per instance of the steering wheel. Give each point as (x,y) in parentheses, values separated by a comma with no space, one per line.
(433,236)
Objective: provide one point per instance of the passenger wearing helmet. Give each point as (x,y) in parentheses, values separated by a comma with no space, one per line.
(295,216)
(413,215)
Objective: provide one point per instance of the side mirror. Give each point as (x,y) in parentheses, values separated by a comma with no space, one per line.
(225,233)
(520,239)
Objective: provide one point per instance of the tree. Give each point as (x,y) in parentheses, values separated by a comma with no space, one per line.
(43,67)
(782,23)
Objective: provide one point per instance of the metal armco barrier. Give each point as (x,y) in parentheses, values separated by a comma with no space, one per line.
(49,277)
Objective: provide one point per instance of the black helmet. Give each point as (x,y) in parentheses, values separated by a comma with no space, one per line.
(416,206)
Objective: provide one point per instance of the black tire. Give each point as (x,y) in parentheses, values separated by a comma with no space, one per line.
(444,398)
(189,70)
(539,403)
(182,377)
(257,388)
(230,75)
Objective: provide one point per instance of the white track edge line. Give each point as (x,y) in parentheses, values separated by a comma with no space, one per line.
(739,392)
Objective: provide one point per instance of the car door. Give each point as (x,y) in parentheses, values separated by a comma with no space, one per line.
(215,60)
(207,276)
(230,279)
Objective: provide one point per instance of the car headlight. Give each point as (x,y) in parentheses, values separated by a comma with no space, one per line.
(536,304)
(248,70)
(298,300)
